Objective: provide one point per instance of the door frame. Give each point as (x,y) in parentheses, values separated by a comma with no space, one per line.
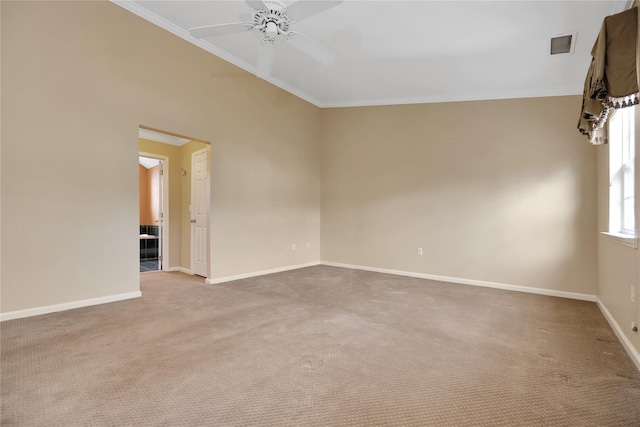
(164,240)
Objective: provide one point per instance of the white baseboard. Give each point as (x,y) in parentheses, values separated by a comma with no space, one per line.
(18,314)
(631,350)
(180,269)
(218,280)
(527,289)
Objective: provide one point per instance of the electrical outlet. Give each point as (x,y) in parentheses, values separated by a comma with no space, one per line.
(293,246)
(633,294)
(420,251)
(308,245)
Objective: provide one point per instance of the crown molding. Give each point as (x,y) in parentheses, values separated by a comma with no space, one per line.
(483,96)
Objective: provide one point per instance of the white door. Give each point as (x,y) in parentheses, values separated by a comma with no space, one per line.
(199,212)
(160,221)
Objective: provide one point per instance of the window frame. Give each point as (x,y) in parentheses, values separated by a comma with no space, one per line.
(623,135)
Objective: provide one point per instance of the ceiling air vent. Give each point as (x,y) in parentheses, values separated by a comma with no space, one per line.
(561,44)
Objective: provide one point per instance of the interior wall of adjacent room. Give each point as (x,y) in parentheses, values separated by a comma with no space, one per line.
(76,93)
(499,191)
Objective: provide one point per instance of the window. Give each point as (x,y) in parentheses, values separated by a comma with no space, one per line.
(622,155)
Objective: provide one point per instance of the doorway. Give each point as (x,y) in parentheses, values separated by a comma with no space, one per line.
(189,248)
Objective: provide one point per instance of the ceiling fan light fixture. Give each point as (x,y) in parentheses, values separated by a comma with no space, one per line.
(271,30)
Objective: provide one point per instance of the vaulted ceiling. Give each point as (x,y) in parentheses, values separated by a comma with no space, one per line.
(399,52)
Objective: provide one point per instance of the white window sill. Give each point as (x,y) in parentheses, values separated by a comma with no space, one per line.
(623,239)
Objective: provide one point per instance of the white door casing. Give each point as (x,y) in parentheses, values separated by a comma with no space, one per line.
(161,217)
(199,212)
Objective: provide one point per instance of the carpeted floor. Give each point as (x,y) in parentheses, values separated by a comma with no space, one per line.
(319,346)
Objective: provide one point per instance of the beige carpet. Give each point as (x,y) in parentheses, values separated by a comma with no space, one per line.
(320,346)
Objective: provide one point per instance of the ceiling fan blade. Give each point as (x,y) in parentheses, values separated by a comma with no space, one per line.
(303,9)
(312,48)
(265,60)
(255,4)
(218,29)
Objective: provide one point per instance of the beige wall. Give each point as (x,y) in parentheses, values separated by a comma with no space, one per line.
(78,78)
(497,191)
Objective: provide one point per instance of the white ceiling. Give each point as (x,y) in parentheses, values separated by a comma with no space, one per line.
(401,52)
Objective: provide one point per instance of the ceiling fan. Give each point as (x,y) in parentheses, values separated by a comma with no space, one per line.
(272,20)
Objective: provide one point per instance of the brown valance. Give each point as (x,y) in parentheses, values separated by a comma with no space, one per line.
(612,79)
